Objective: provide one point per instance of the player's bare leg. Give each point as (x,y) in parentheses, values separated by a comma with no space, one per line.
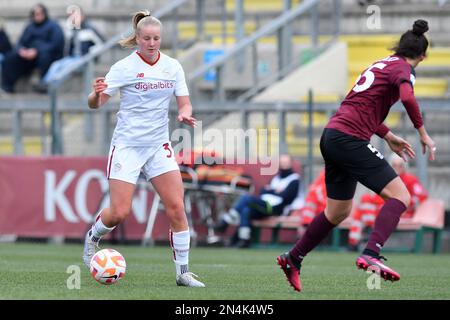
(121,194)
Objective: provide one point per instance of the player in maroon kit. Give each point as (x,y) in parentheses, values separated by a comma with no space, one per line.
(350,158)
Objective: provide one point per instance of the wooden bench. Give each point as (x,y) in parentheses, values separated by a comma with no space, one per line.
(428,218)
(275,223)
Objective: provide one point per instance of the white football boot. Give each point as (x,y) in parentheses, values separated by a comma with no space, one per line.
(187,280)
(90,247)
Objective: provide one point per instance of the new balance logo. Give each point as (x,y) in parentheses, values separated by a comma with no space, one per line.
(140,75)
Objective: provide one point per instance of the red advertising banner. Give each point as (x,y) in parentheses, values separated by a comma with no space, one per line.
(60,196)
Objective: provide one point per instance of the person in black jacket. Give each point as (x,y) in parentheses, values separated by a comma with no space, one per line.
(83,36)
(41,43)
(5,44)
(283,189)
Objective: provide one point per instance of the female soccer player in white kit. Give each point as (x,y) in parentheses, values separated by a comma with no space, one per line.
(147,79)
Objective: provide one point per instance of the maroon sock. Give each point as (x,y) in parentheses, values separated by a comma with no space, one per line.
(316,232)
(385,224)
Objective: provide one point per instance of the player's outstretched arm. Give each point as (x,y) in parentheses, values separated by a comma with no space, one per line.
(427,142)
(412,107)
(97,98)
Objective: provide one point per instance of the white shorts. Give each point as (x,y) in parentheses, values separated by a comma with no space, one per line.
(125,163)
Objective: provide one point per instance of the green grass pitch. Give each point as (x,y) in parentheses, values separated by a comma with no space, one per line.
(39,271)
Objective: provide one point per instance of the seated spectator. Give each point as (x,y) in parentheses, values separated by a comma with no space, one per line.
(41,43)
(281,192)
(82,38)
(370,204)
(5,44)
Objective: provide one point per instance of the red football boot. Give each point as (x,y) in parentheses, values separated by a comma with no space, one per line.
(291,271)
(375,265)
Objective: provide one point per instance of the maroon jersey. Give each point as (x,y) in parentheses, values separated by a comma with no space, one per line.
(367,105)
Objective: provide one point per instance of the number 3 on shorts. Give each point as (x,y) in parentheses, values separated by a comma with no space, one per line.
(166,147)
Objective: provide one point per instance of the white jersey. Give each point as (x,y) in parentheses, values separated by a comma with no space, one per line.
(145,93)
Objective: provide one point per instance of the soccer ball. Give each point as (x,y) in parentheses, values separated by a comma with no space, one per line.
(108,266)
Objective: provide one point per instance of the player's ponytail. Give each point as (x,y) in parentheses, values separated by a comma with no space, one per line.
(413,43)
(140,19)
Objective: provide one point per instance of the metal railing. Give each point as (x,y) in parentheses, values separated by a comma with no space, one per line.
(283,29)
(284,111)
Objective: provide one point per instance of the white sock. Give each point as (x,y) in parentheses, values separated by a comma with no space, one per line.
(244,233)
(98,230)
(180,246)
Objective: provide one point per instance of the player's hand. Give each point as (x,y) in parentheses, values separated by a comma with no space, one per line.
(99,86)
(400,146)
(187,119)
(426,141)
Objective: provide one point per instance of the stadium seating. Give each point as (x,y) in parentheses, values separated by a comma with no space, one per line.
(213,29)
(365,49)
(259,5)
(31,145)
